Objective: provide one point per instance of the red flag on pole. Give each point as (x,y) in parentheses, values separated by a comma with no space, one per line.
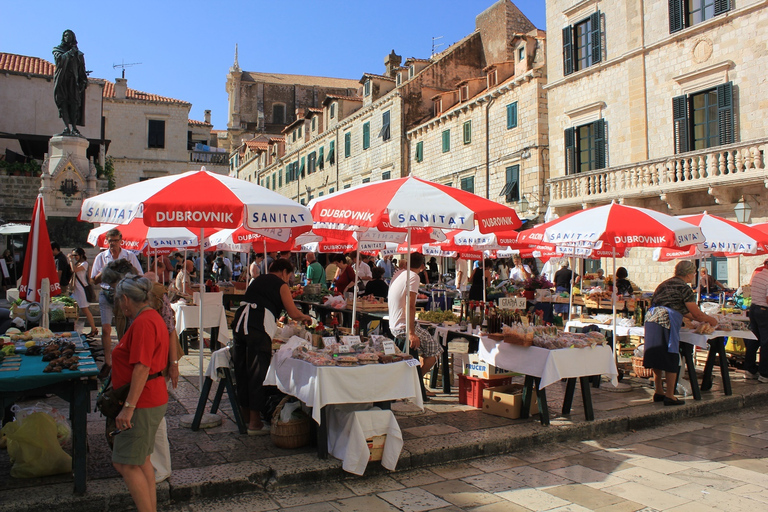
(38,260)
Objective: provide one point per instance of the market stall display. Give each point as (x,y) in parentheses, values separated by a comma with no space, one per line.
(23,373)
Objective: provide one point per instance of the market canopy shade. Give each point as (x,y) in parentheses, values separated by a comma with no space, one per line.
(412,202)
(137,235)
(196,199)
(621,226)
(14,229)
(38,260)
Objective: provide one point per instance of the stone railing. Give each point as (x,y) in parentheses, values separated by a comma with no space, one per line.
(723,166)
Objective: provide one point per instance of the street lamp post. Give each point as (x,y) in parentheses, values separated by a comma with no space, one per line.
(743,212)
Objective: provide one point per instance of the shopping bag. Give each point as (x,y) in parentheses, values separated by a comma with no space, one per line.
(34,449)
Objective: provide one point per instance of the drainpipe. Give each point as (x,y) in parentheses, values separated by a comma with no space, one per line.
(488,149)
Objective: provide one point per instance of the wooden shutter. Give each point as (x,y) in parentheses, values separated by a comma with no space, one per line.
(570,151)
(595,37)
(600,144)
(676,15)
(419,151)
(680,123)
(567,50)
(722,6)
(725,113)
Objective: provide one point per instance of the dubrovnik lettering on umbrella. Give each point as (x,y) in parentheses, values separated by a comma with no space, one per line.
(129,244)
(640,239)
(188,216)
(347,214)
(431,218)
(496,221)
(277,218)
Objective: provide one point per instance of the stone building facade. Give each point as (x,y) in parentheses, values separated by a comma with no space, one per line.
(265,103)
(372,136)
(659,103)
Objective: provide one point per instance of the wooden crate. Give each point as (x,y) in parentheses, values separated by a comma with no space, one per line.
(592,303)
(578,300)
(71,312)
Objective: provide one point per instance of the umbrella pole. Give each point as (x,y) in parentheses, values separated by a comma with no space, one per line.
(570,294)
(613,304)
(354,294)
(408,296)
(264,259)
(200,339)
(698,283)
(482,255)
(184,269)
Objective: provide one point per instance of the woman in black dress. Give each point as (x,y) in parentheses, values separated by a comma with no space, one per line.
(253,328)
(672,300)
(480,280)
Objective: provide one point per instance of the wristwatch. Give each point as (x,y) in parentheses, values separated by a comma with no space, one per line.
(175,362)
(128,405)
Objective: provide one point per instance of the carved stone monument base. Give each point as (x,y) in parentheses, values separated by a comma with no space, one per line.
(68,176)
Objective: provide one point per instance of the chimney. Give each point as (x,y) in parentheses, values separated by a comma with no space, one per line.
(121,85)
(392,62)
(207,115)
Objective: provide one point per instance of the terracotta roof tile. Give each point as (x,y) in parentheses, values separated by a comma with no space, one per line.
(313,109)
(372,75)
(256,144)
(199,123)
(276,138)
(133,94)
(26,65)
(320,81)
(349,98)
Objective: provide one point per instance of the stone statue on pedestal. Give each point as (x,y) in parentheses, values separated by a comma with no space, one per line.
(69,82)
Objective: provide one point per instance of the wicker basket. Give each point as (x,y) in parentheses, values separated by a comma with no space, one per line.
(292,434)
(639,369)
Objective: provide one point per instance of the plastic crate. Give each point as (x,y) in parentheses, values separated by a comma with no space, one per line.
(471,388)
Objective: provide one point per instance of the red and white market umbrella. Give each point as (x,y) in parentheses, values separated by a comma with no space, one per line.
(38,260)
(197,200)
(137,235)
(412,202)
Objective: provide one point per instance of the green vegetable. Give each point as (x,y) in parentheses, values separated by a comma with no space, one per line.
(8,350)
(57,315)
(63,299)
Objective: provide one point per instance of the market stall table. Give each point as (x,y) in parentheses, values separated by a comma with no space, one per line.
(73,386)
(318,386)
(543,367)
(214,318)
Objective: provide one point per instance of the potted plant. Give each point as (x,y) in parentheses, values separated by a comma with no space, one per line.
(534,283)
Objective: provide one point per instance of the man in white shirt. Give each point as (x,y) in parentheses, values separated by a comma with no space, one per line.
(758,324)
(519,272)
(106,305)
(419,338)
(364,273)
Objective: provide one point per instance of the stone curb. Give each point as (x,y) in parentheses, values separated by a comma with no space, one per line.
(187,485)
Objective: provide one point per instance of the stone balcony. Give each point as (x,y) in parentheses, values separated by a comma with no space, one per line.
(724,173)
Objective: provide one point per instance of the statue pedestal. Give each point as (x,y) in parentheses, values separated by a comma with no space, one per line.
(68,176)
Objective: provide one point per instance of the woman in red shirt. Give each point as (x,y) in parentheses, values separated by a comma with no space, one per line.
(139,357)
(346,274)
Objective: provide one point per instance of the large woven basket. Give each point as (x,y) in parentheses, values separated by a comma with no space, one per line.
(291,434)
(640,370)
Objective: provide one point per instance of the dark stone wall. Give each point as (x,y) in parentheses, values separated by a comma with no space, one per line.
(17,197)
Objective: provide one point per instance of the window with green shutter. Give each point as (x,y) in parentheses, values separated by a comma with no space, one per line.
(686,13)
(366,180)
(320,158)
(582,44)
(302,168)
(585,147)
(366,135)
(420,151)
(288,173)
(512,115)
(347,144)
(347,186)
(386,175)
(331,190)
(511,190)
(331,150)
(274,180)
(311,161)
(468,184)
(280,178)
(384,133)
(703,119)
(446,140)
(467,132)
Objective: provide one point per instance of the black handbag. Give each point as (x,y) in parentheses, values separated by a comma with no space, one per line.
(90,294)
(110,401)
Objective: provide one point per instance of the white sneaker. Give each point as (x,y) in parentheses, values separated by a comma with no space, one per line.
(750,376)
(762,379)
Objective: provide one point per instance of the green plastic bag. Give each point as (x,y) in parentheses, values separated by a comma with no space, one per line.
(34,448)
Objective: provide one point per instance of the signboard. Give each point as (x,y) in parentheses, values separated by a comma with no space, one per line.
(513,303)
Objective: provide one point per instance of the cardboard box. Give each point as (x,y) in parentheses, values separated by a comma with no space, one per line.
(376,446)
(507,401)
(482,370)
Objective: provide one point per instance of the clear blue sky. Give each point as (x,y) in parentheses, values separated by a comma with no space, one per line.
(186,47)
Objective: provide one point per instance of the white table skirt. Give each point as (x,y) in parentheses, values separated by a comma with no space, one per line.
(318,386)
(699,340)
(348,429)
(549,365)
(187,317)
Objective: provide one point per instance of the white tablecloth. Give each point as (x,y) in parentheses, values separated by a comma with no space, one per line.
(699,340)
(318,386)
(349,427)
(620,330)
(187,317)
(549,365)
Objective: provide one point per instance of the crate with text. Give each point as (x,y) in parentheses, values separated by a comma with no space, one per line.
(507,401)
